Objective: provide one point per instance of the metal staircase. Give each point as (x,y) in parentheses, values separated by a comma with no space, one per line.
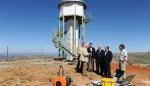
(57,38)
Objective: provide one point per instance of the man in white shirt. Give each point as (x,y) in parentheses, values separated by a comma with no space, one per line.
(123,59)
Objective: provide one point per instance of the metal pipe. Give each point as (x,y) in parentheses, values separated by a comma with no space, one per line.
(83,31)
(63,22)
(63,29)
(59,37)
(59,52)
(75,31)
(79,32)
(59,29)
(63,33)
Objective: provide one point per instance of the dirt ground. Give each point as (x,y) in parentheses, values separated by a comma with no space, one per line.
(40,72)
(142,77)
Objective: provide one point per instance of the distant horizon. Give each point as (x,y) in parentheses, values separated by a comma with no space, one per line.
(57,52)
(27,53)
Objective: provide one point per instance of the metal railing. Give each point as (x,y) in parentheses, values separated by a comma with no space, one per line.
(56,39)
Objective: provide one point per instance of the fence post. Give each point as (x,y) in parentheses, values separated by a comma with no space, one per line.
(148,58)
(7,53)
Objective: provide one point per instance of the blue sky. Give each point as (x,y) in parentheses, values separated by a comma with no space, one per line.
(25,25)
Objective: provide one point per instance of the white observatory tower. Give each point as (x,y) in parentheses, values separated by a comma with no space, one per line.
(72,21)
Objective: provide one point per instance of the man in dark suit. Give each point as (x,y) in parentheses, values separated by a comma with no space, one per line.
(91,51)
(108,59)
(100,54)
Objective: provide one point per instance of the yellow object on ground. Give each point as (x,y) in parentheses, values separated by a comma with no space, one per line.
(108,82)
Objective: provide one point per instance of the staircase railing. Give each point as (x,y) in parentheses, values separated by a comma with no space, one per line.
(56,39)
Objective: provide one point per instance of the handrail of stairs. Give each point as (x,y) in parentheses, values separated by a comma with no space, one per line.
(58,44)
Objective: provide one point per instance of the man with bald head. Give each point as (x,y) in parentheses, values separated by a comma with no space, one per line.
(100,54)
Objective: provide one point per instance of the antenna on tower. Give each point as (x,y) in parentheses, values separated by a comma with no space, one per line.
(41,49)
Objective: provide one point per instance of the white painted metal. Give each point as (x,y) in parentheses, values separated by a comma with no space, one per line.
(69,44)
(69,35)
(74,1)
(68,9)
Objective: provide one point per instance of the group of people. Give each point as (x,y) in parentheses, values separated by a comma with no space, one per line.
(88,57)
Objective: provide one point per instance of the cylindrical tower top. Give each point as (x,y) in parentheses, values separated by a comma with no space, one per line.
(66,1)
(72,8)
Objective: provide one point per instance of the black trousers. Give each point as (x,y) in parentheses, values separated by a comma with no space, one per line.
(107,70)
(100,67)
(79,66)
(97,66)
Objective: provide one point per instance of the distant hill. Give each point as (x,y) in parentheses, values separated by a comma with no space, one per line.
(2,57)
(136,57)
(27,54)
